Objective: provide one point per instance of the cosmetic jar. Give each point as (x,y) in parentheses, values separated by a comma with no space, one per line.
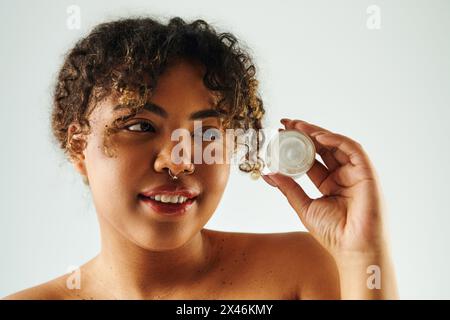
(291,153)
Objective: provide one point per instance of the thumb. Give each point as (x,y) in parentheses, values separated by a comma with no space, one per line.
(294,193)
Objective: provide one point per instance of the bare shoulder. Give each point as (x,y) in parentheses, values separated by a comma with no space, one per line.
(65,287)
(296,256)
(51,290)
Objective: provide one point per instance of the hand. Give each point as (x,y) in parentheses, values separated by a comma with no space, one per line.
(348,218)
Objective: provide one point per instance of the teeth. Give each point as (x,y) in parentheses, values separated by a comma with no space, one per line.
(167,198)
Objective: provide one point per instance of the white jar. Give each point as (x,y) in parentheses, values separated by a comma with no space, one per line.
(291,153)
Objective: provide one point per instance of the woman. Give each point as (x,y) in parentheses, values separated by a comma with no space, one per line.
(121,93)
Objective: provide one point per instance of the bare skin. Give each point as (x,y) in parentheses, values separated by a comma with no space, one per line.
(238,268)
(145,255)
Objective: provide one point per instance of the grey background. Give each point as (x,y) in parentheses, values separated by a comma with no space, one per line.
(317,61)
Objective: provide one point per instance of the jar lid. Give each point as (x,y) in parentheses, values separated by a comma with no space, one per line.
(291,153)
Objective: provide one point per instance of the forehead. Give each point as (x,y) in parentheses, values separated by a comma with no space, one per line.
(182,85)
(180,92)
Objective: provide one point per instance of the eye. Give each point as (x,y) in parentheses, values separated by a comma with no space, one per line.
(141,126)
(210,134)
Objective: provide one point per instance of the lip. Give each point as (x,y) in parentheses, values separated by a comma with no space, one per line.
(169,209)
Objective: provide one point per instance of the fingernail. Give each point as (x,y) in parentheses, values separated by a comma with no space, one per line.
(321,136)
(316,134)
(284,120)
(300,123)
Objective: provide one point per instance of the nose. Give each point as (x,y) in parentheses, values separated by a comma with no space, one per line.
(176,157)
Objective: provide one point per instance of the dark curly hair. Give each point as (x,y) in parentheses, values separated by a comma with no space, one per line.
(128,55)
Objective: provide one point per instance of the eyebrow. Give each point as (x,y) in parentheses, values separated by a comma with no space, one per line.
(158,110)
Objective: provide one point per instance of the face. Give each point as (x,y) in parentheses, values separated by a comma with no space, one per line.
(142,150)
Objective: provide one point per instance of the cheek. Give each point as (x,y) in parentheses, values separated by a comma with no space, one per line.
(117,175)
(214,179)
(115,160)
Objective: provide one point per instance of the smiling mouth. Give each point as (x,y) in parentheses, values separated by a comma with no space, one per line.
(168,208)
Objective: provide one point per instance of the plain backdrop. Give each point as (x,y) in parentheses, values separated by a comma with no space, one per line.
(387,88)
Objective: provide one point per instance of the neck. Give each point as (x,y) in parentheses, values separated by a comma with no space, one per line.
(129,271)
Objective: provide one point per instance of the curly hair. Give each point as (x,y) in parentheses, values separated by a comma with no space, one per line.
(128,55)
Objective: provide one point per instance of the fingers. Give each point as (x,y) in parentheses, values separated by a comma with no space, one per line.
(352,149)
(349,175)
(318,172)
(269,180)
(332,158)
(294,193)
(319,175)
(340,154)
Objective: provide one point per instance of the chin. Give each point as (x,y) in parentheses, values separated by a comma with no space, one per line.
(161,239)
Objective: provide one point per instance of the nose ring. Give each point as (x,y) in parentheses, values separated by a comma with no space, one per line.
(174,177)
